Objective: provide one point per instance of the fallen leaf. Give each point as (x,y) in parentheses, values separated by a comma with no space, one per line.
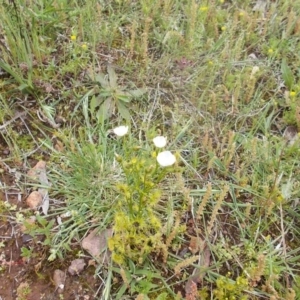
(34,172)
(59,278)
(59,146)
(198,275)
(96,244)
(34,200)
(297,27)
(195,244)
(46,205)
(77,266)
(37,267)
(38,173)
(191,290)
(92,262)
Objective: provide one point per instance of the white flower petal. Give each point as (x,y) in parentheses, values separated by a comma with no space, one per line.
(166,158)
(121,130)
(160,141)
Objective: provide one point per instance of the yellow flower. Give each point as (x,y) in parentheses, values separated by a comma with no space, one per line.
(280,198)
(203,8)
(292,93)
(84,46)
(111,244)
(73,37)
(223,28)
(241,14)
(134,161)
(117,258)
(222,1)
(270,51)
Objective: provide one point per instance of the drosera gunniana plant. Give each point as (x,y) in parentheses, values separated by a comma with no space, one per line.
(137,224)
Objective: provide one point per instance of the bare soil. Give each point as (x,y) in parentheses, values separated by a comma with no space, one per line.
(32,279)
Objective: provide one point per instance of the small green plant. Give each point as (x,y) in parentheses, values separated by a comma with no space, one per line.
(107,96)
(23,291)
(27,253)
(137,225)
(43,227)
(231,289)
(137,280)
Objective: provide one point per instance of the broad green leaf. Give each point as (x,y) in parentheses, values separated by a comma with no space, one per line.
(123,110)
(104,111)
(287,74)
(123,97)
(105,93)
(101,78)
(112,76)
(94,103)
(137,93)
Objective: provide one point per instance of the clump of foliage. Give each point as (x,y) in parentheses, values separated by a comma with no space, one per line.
(137,224)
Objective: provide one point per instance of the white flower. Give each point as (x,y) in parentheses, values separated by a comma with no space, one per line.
(121,130)
(160,141)
(166,158)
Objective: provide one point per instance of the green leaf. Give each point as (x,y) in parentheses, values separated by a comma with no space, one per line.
(121,291)
(101,78)
(148,273)
(50,225)
(287,74)
(26,253)
(112,76)
(6,67)
(23,87)
(105,93)
(123,110)
(94,103)
(104,111)
(123,97)
(42,221)
(162,296)
(132,266)
(137,93)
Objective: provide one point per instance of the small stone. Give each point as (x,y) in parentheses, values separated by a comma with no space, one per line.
(96,244)
(26,238)
(36,170)
(291,134)
(77,266)
(59,278)
(34,200)
(6,151)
